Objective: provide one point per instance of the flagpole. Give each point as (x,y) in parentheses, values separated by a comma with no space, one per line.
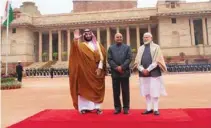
(7,42)
(1,38)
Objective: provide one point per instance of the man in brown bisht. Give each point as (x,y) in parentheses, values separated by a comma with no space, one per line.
(87,66)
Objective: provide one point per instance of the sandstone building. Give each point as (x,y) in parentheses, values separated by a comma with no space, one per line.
(177,26)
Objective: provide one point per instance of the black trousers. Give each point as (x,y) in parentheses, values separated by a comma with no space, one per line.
(121,84)
(20,77)
(51,75)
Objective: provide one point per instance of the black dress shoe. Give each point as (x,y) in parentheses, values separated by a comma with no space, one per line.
(126,111)
(147,112)
(83,111)
(117,111)
(156,113)
(99,112)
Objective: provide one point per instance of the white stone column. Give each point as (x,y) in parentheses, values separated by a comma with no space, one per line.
(108,37)
(68,44)
(128,35)
(204,28)
(192,32)
(149,28)
(50,46)
(117,29)
(62,43)
(98,35)
(59,45)
(158,34)
(40,46)
(138,37)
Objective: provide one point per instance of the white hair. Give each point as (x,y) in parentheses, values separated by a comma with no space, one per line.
(148,34)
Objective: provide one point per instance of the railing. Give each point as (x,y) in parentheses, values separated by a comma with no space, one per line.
(189,68)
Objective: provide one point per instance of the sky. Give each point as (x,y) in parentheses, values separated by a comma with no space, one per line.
(65,6)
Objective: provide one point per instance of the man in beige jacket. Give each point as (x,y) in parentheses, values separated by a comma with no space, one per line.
(150,63)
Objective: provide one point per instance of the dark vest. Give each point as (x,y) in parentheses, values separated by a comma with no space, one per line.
(146,61)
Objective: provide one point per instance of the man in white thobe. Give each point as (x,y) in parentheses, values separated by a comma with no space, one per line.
(87,72)
(150,63)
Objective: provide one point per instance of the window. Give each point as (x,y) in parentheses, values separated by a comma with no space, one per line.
(173,20)
(173,5)
(14,30)
(198,31)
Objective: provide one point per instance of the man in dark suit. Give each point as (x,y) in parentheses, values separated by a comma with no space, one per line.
(51,72)
(19,70)
(119,59)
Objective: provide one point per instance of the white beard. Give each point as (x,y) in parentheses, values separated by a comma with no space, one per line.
(147,42)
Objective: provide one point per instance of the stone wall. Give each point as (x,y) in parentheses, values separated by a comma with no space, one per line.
(174,35)
(101,5)
(12,67)
(20,47)
(182,7)
(209,29)
(189,51)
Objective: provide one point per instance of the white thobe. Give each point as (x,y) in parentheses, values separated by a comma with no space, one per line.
(152,86)
(84,104)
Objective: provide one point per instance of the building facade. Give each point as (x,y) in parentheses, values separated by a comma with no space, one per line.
(176,26)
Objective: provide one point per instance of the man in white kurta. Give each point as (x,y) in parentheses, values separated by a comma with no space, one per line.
(150,63)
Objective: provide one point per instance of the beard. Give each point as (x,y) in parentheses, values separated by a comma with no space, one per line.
(88,39)
(147,42)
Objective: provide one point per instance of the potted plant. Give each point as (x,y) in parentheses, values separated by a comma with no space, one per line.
(55,55)
(9,82)
(64,55)
(168,59)
(182,56)
(133,50)
(45,55)
(133,53)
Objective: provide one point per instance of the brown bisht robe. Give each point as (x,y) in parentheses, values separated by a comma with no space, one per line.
(83,63)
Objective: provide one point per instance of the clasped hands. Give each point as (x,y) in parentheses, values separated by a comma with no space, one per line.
(145,72)
(119,69)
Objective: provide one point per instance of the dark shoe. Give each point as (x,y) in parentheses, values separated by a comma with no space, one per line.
(156,113)
(147,112)
(99,112)
(117,111)
(126,111)
(83,111)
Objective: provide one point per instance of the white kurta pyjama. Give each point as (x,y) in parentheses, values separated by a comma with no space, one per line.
(152,86)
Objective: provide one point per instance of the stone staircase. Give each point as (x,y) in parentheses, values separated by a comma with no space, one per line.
(36,65)
(61,64)
(49,64)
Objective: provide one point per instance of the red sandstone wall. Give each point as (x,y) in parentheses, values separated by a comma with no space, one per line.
(84,6)
(12,67)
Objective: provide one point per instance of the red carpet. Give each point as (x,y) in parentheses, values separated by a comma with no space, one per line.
(169,118)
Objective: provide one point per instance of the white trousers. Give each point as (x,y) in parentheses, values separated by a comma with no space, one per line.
(152,86)
(84,104)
